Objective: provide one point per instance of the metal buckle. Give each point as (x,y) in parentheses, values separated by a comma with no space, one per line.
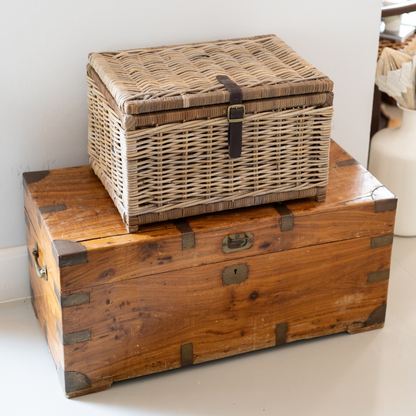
(235,106)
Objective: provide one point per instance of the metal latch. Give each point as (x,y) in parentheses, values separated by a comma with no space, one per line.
(237,242)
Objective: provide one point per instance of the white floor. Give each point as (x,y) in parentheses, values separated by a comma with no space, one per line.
(366,374)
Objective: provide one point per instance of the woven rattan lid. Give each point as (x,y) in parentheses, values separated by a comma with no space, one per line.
(183,76)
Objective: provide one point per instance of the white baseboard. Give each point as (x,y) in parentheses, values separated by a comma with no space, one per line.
(14,275)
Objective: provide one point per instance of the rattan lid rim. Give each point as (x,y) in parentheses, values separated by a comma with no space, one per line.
(139,91)
(317,85)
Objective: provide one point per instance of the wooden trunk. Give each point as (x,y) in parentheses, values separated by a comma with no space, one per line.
(115,305)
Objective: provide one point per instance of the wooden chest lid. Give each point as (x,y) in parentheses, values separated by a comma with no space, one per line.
(71,214)
(183,76)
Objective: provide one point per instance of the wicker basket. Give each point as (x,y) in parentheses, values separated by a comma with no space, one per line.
(160,127)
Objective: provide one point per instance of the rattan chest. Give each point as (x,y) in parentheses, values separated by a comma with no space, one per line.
(191,129)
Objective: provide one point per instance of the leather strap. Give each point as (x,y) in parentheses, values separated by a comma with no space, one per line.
(235,129)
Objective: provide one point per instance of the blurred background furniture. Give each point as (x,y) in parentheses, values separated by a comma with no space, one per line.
(383,115)
(392,156)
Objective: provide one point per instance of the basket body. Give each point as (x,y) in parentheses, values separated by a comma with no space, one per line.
(168,164)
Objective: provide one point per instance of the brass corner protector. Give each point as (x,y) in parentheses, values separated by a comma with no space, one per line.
(287,218)
(348,162)
(32,177)
(384,200)
(58,330)
(69,253)
(378,316)
(382,205)
(75,299)
(187,354)
(378,276)
(32,301)
(29,255)
(381,241)
(74,337)
(57,293)
(45,330)
(71,300)
(281,333)
(75,381)
(27,221)
(188,235)
(49,208)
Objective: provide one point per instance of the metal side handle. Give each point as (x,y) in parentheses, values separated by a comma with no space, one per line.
(42,273)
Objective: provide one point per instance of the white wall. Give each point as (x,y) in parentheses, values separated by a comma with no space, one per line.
(44,48)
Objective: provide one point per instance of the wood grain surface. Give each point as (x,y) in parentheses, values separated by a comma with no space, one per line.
(126,305)
(138,326)
(113,255)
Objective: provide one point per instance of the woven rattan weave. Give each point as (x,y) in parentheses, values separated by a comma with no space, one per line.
(158,127)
